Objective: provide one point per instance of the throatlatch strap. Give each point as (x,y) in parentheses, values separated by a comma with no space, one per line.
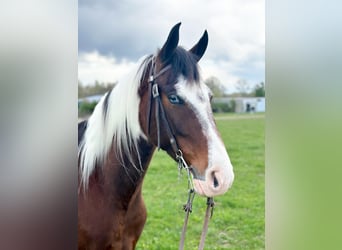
(152,94)
(150,82)
(155,86)
(149,107)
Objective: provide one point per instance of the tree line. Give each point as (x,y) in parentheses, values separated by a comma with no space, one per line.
(98,88)
(243,89)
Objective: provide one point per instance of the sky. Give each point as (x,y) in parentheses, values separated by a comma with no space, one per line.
(113,35)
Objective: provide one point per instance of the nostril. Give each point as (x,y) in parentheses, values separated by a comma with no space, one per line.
(216,184)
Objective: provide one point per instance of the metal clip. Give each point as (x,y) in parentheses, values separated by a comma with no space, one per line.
(211,203)
(180,166)
(188,206)
(151,79)
(155,91)
(179,154)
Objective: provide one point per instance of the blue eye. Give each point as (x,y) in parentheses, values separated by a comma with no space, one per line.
(175,99)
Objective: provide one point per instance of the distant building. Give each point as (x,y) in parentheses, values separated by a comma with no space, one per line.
(244,104)
(249,104)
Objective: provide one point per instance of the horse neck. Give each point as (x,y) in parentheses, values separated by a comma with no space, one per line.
(123,179)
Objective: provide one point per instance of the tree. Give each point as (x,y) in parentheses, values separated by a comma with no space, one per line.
(215,86)
(259,90)
(243,87)
(95,89)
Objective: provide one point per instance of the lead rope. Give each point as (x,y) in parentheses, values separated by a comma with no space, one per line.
(188,206)
(191,195)
(208,214)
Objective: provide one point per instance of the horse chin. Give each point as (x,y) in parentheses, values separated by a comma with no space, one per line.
(198,187)
(203,189)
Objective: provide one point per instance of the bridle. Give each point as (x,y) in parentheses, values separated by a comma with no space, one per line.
(160,116)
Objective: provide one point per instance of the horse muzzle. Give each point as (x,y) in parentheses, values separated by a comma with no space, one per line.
(216,181)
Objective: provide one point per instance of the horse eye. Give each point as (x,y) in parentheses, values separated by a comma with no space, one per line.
(175,99)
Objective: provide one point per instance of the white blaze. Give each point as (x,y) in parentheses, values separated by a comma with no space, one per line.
(219,165)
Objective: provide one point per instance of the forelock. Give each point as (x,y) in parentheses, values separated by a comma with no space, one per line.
(184,63)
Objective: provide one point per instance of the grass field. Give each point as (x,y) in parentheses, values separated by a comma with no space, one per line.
(238,221)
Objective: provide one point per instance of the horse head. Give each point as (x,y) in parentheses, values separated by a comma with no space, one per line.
(184,113)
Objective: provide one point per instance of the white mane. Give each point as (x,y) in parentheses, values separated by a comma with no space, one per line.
(120,126)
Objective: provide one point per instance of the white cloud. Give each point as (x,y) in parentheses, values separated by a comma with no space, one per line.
(95,67)
(131,29)
(221,70)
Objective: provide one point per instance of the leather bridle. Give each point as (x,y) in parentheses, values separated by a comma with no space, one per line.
(153,95)
(160,116)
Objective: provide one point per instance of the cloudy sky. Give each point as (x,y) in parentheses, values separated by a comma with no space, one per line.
(113,35)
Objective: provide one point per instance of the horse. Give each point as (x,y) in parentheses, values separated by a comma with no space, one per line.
(163,104)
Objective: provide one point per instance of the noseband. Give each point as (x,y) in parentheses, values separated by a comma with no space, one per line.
(160,116)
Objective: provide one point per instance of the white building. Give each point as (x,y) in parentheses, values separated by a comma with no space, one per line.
(245,104)
(250,104)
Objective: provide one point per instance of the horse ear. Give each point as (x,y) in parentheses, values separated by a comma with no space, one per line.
(170,44)
(199,49)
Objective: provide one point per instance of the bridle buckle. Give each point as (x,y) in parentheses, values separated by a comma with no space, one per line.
(155,91)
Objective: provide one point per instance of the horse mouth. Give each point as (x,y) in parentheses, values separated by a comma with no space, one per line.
(195,174)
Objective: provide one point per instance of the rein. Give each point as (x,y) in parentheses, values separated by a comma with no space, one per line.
(153,95)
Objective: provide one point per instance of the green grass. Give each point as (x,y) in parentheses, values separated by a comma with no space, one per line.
(238,221)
